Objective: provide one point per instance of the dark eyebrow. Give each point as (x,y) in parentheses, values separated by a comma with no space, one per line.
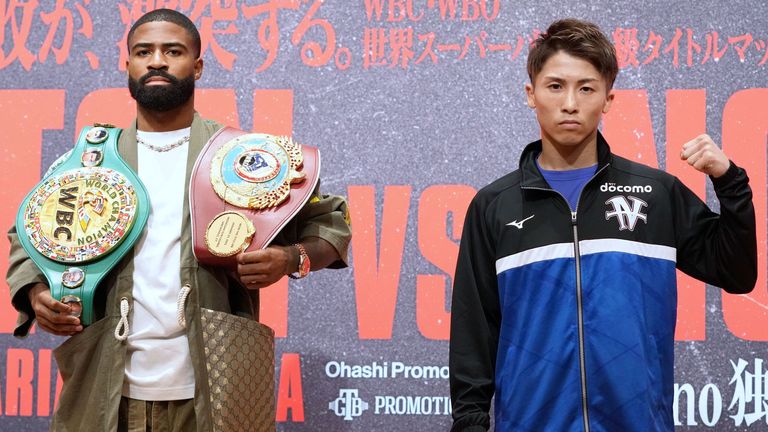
(581,81)
(165,45)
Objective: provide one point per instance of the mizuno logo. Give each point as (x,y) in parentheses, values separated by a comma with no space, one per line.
(519,225)
(626,214)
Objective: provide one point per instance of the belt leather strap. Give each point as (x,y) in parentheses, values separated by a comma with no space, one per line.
(83,217)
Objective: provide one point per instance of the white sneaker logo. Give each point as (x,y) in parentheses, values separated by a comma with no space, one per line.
(519,225)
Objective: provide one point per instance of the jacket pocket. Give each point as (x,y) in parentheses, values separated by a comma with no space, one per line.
(87,364)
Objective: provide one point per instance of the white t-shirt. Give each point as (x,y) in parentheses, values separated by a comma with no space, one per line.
(158,364)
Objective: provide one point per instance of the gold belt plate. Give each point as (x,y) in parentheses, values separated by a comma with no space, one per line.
(80,214)
(255,171)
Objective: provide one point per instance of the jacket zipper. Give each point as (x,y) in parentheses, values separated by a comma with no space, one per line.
(579,304)
(579,311)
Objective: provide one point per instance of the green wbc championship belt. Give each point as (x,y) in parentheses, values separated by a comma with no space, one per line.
(82,218)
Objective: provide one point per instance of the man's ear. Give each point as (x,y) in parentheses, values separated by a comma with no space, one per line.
(608,102)
(529,95)
(198,68)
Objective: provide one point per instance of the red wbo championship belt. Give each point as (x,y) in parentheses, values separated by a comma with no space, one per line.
(245,188)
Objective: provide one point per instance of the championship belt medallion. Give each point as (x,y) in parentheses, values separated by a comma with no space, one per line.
(245,187)
(82,218)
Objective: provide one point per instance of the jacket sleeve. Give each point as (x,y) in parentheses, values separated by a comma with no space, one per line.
(475,320)
(22,272)
(324,216)
(720,250)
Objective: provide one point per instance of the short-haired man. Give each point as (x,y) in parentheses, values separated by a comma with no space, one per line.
(564,299)
(152,380)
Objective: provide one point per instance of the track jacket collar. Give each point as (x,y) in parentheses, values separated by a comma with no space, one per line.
(531,176)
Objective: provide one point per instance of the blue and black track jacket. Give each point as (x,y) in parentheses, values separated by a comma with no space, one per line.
(569,317)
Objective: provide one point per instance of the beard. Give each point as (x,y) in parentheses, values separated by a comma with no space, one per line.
(162,97)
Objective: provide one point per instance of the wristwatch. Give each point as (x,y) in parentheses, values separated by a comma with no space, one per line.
(304,264)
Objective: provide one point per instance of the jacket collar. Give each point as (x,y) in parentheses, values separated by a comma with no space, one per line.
(531,176)
(198,137)
(128,147)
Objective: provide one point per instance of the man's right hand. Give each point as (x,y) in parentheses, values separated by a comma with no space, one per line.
(52,316)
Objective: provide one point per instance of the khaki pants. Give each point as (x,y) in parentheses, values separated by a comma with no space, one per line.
(156,416)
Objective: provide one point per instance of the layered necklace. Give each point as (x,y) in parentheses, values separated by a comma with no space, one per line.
(164,148)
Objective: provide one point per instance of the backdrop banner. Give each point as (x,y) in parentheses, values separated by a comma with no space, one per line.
(415,105)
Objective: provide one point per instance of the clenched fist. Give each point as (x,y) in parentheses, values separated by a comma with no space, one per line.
(702,154)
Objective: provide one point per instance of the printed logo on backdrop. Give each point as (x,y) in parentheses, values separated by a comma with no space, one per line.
(748,407)
(393,370)
(750,396)
(627,214)
(348,404)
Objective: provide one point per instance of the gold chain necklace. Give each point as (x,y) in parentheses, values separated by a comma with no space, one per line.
(164,148)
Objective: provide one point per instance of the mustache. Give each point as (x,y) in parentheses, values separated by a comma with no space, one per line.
(158,73)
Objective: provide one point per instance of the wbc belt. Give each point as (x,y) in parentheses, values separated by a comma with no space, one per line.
(245,187)
(82,218)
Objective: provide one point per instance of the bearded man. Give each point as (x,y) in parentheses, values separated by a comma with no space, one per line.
(152,379)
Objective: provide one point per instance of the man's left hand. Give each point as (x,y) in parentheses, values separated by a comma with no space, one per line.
(261,268)
(702,154)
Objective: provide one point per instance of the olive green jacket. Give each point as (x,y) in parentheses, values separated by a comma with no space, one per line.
(92,363)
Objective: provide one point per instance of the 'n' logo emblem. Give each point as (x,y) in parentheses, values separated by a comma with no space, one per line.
(626,214)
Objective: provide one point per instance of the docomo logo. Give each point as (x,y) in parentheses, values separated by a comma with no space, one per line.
(348,404)
(613,187)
